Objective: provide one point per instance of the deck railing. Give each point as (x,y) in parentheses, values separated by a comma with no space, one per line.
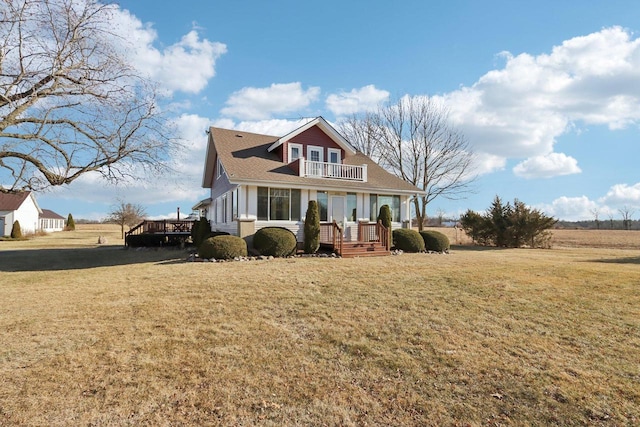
(165,226)
(333,170)
(374,232)
(331,233)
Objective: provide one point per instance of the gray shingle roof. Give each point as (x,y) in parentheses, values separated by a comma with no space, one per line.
(245,159)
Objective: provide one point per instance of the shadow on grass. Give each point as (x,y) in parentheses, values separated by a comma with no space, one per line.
(622,260)
(83,258)
(472,248)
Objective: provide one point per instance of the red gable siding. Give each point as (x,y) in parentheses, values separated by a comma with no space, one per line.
(312,136)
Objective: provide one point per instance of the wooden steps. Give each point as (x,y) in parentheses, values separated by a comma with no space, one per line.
(361,249)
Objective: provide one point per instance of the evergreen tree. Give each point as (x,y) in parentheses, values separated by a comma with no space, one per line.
(16,231)
(71,224)
(385,216)
(511,226)
(312,228)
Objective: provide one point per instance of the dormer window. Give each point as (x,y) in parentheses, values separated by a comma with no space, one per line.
(295,152)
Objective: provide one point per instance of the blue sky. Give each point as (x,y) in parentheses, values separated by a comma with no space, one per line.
(547,92)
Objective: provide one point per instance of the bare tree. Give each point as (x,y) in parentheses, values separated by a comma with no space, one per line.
(596,213)
(418,144)
(626,213)
(70,103)
(363,132)
(128,214)
(440,213)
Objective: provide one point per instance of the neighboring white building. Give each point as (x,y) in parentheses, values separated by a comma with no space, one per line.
(19,206)
(51,221)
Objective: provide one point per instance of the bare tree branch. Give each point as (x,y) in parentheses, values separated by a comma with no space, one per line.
(417,143)
(69,101)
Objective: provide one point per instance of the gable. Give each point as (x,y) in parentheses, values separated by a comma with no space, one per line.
(320,124)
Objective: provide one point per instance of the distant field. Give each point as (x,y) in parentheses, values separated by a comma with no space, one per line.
(99,335)
(620,239)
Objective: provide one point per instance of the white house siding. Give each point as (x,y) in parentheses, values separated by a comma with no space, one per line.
(27,215)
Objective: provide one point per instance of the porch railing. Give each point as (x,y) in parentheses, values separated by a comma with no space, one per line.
(374,232)
(331,233)
(333,170)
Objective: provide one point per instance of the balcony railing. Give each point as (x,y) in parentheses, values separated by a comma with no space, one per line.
(333,170)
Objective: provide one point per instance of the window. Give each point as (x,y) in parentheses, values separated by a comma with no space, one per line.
(234,204)
(376,201)
(334,155)
(263,203)
(224,213)
(351,207)
(295,152)
(314,154)
(278,204)
(323,205)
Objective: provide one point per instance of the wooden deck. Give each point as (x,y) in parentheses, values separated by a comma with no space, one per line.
(178,229)
(374,239)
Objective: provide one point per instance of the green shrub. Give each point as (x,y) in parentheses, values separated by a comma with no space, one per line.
(435,241)
(312,228)
(71,224)
(408,240)
(223,247)
(200,231)
(16,231)
(275,241)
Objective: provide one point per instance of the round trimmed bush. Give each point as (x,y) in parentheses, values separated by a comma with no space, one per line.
(408,240)
(275,241)
(223,247)
(435,241)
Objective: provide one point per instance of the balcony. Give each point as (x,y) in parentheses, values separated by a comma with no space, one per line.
(332,170)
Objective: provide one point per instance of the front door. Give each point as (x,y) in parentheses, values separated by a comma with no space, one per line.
(337,210)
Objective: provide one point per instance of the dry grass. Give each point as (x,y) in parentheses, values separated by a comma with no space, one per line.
(497,337)
(621,239)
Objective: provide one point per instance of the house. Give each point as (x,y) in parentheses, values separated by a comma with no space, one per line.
(51,221)
(259,180)
(19,206)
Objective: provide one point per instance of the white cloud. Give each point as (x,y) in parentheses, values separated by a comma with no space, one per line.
(582,208)
(186,65)
(623,194)
(271,127)
(487,163)
(572,208)
(550,165)
(520,110)
(252,103)
(366,98)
